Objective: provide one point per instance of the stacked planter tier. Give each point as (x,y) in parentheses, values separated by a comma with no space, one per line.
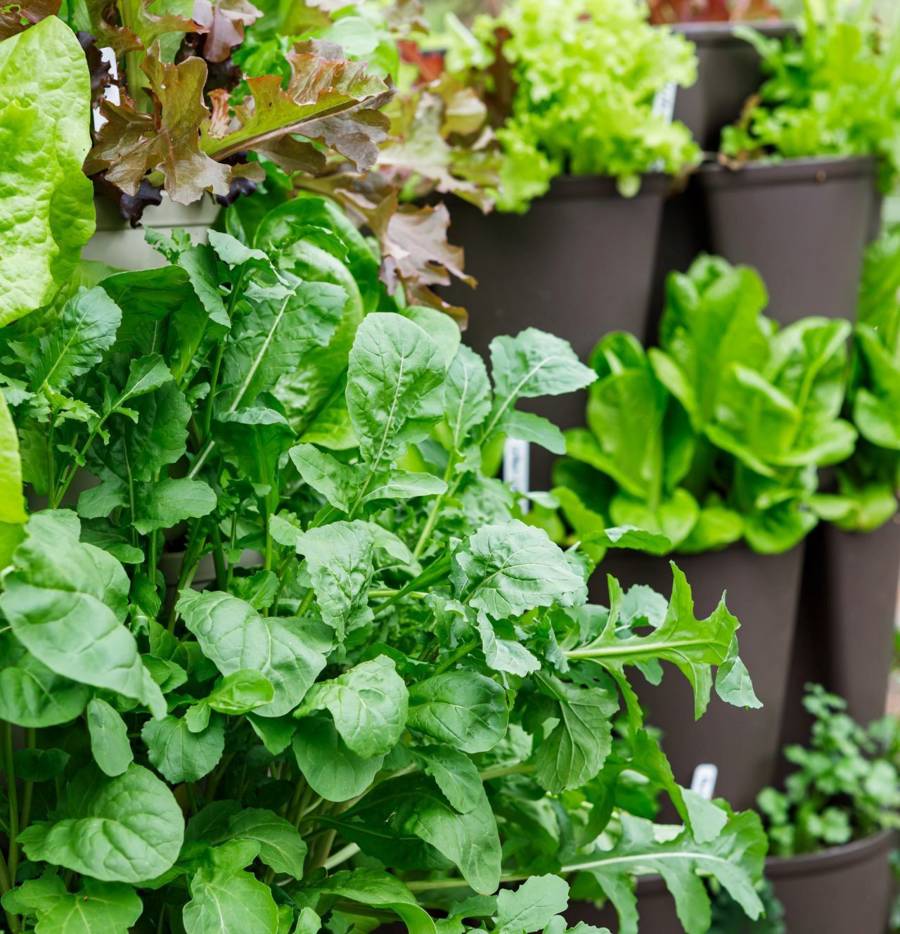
(762,591)
(802,223)
(728,72)
(118,244)
(578,264)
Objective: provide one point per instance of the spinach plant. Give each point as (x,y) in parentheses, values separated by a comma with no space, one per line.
(832,91)
(867,483)
(845,786)
(391,694)
(717,434)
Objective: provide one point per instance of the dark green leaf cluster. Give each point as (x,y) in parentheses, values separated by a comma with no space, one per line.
(845,785)
(716,435)
(280,654)
(832,91)
(868,482)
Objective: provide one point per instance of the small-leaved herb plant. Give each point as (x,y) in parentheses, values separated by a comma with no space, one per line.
(717,434)
(830,91)
(277,656)
(845,785)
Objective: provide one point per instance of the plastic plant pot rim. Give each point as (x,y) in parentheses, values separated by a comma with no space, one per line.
(816,171)
(717,33)
(653,184)
(202,213)
(832,859)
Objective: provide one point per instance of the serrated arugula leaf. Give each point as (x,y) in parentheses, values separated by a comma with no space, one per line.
(734,858)
(235,637)
(123,829)
(66,603)
(693,646)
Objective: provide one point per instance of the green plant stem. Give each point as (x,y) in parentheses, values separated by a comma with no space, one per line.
(348,852)
(31,742)
(213,785)
(501,771)
(451,660)
(435,510)
(13,797)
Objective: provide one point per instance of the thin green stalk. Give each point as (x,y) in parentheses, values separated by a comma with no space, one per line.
(501,771)
(13,798)
(461,652)
(335,860)
(31,742)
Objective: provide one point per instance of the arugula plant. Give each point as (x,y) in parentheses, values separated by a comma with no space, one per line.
(570,89)
(402,700)
(831,91)
(845,786)
(717,434)
(867,483)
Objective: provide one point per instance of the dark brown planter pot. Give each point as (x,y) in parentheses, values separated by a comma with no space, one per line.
(728,72)
(845,625)
(803,223)
(578,264)
(860,580)
(762,591)
(843,889)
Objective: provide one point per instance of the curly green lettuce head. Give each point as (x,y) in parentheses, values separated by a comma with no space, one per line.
(588,74)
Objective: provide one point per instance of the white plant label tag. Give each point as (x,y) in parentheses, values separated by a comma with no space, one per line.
(664,101)
(110,93)
(517,467)
(704,781)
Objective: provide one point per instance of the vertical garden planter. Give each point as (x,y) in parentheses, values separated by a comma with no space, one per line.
(118,244)
(762,591)
(728,72)
(859,582)
(845,625)
(579,264)
(842,889)
(802,223)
